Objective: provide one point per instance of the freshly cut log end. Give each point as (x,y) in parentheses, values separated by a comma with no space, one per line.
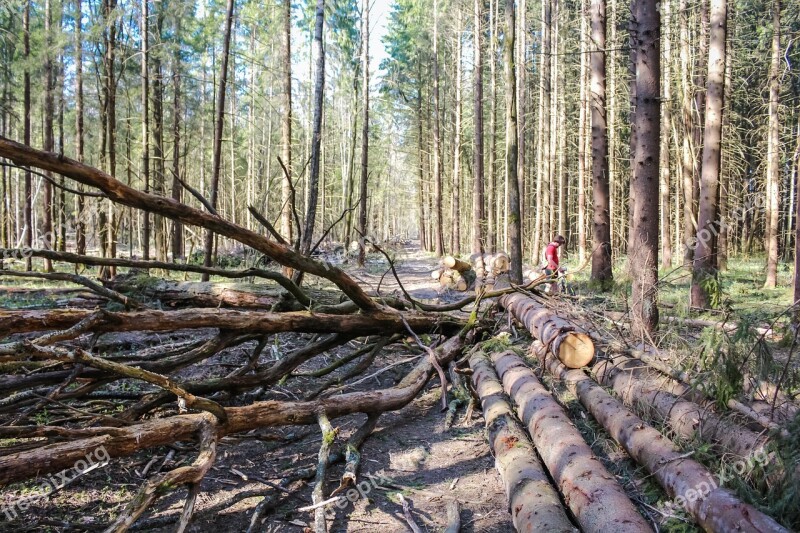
(571,344)
(533,502)
(456,264)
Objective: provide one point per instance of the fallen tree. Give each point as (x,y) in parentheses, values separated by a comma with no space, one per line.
(534,503)
(593,495)
(688,482)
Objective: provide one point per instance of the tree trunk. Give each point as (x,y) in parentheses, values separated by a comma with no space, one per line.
(316,150)
(49,141)
(666,127)
(582,141)
(705,291)
(362,216)
(687,152)
(598,502)
(773,150)
(534,503)
(514,220)
(478,200)
(144,36)
(286,126)
(643,246)
(177,188)
(26,135)
(159,174)
(218,130)
(601,238)
(492,196)
(438,238)
(80,223)
(455,244)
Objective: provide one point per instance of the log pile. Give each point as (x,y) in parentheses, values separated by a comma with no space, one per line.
(454,274)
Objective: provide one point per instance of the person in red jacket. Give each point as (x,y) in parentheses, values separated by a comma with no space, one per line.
(551,257)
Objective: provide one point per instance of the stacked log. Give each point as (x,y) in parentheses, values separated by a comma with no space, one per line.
(489,268)
(570,343)
(714,508)
(592,493)
(454,274)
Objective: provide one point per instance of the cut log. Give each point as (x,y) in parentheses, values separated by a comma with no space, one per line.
(593,494)
(436,274)
(714,508)
(570,343)
(499,263)
(456,264)
(533,502)
(638,385)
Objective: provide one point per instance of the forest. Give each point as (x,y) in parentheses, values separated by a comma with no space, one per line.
(419,265)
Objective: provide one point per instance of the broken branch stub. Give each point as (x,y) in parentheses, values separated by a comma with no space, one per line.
(570,343)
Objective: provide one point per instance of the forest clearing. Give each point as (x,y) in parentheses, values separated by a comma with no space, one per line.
(420,265)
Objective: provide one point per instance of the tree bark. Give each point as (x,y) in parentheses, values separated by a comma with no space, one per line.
(286,126)
(704,291)
(438,237)
(145,73)
(80,224)
(177,188)
(601,238)
(666,130)
(26,125)
(571,344)
(49,142)
(514,215)
(643,246)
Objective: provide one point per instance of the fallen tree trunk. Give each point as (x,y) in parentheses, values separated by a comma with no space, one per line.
(570,343)
(687,482)
(631,382)
(76,259)
(118,442)
(596,499)
(683,385)
(534,504)
(199,293)
(379,322)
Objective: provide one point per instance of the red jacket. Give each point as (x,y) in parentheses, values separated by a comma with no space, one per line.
(551,256)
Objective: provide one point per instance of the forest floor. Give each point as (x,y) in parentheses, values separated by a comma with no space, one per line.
(410,452)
